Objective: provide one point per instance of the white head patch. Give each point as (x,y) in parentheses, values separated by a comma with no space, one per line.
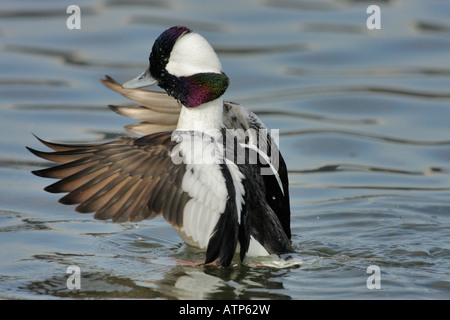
(192,54)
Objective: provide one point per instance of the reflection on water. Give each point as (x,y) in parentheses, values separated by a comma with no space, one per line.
(363,118)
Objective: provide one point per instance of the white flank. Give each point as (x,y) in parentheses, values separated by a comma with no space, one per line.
(205,184)
(255,249)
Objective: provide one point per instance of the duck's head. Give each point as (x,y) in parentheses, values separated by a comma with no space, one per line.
(185,65)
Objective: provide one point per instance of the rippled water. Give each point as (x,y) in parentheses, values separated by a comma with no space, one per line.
(364,122)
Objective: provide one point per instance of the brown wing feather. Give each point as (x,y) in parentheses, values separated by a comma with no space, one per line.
(128,179)
(159,101)
(157,110)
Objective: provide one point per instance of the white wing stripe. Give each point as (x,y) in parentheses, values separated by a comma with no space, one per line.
(238,186)
(266,158)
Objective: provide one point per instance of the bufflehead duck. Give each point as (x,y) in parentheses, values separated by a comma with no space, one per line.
(184,166)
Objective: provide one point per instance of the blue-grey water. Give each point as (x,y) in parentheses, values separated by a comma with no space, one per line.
(364,119)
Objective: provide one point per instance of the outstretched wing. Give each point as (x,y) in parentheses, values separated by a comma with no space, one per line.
(157,111)
(122,180)
(132,179)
